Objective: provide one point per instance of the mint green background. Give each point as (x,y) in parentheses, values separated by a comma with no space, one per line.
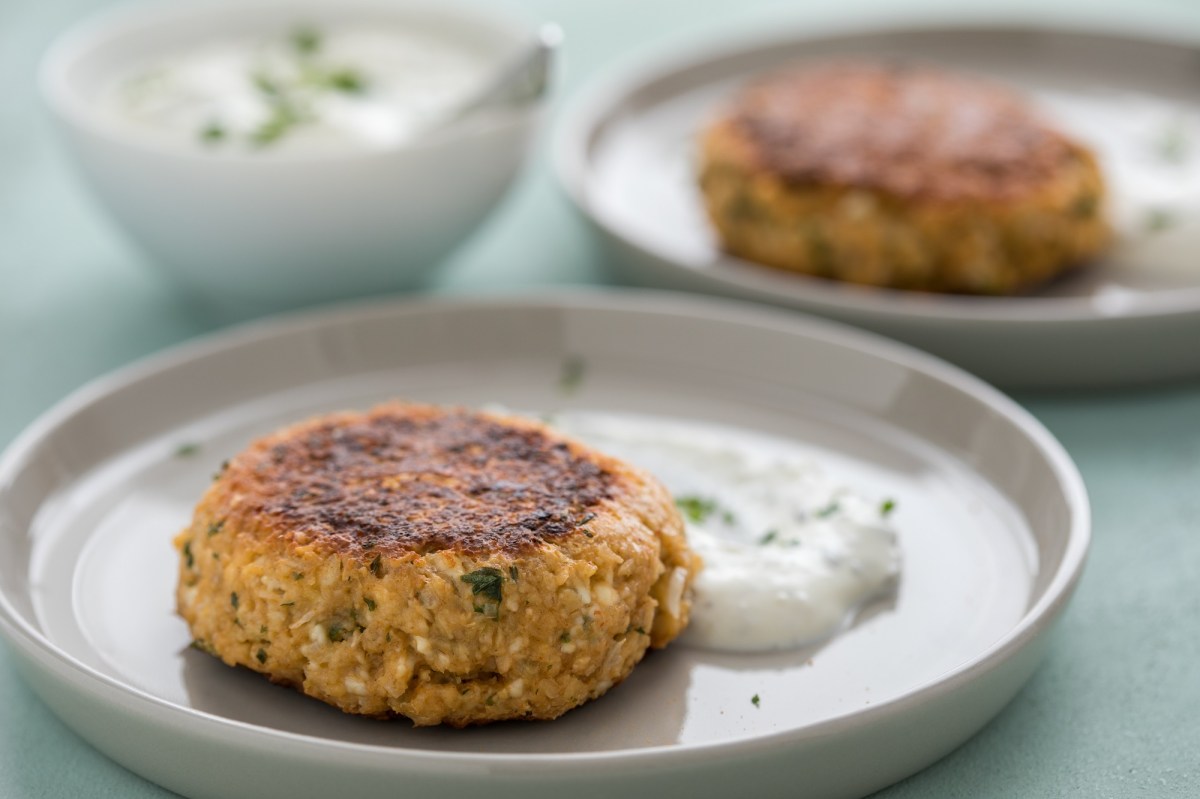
(1115,710)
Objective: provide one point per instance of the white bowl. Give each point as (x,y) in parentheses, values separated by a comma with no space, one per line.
(262,231)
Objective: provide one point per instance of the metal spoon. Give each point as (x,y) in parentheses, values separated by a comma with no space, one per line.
(522,79)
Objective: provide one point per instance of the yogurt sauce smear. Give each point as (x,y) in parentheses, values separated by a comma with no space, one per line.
(789,556)
(310,88)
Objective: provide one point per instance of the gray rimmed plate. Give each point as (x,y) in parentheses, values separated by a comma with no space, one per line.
(992,517)
(625,156)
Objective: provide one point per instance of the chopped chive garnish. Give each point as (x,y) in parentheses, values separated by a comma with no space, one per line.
(829,510)
(768,537)
(697,509)
(754,700)
(1085,206)
(1159,219)
(571,376)
(887,507)
(306,40)
(233,600)
(1174,145)
(203,646)
(212,133)
(370,603)
(377,566)
(187,553)
(346,80)
(265,84)
(261,655)
(186,450)
(283,118)
(486,581)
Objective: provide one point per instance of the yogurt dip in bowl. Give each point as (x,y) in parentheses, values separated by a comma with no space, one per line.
(271,154)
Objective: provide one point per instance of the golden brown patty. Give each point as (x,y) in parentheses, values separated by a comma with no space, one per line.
(900,176)
(446,565)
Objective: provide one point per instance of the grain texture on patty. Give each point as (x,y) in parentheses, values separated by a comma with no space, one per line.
(900,176)
(446,565)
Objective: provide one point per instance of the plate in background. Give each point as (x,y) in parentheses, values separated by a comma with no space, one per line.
(992,517)
(625,154)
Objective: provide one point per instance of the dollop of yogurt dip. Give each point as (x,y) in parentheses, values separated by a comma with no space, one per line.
(307,88)
(790,556)
(1149,150)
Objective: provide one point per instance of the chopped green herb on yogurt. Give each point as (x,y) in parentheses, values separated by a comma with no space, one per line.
(306,40)
(787,572)
(346,80)
(212,133)
(312,87)
(829,510)
(696,509)
(1174,144)
(266,84)
(282,119)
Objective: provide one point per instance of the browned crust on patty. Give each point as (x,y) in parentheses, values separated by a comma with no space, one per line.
(523,617)
(412,478)
(909,131)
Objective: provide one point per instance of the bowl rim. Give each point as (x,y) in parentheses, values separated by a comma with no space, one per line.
(143,17)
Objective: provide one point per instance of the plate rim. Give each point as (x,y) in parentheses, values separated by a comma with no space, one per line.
(603,96)
(1036,619)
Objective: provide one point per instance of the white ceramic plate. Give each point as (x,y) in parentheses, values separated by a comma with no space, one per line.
(625,156)
(992,517)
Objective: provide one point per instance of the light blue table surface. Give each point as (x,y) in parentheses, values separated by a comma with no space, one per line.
(1115,710)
